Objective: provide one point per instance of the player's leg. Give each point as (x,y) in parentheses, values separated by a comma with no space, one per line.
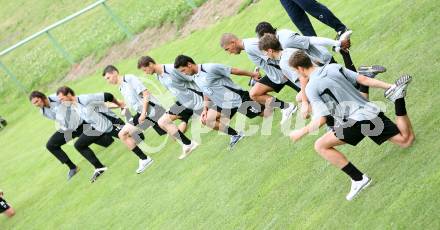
(325,146)
(298,17)
(397,94)
(82,146)
(218,119)
(183,126)
(213,120)
(177,111)
(322,13)
(54,144)
(250,108)
(259,93)
(166,123)
(126,136)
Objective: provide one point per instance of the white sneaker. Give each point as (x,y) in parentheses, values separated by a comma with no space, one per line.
(344,36)
(357,186)
(143,164)
(97,173)
(187,149)
(287,112)
(398,90)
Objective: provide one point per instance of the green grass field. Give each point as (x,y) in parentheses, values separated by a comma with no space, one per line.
(267,182)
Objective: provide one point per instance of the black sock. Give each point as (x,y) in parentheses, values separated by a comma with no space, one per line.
(399,104)
(364,89)
(230,131)
(352,171)
(278,103)
(180,136)
(70,164)
(139,153)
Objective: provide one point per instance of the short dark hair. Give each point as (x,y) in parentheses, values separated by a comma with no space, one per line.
(300,59)
(269,41)
(109,69)
(264,28)
(145,61)
(37,94)
(182,61)
(64,90)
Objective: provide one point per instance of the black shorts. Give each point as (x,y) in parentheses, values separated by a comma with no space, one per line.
(278,87)
(353,132)
(184,113)
(3,205)
(249,108)
(151,121)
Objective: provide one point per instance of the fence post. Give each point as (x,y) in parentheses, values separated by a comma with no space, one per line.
(118,21)
(60,49)
(14,79)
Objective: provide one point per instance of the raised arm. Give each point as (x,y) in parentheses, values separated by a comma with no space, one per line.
(203,116)
(240,72)
(145,101)
(314,125)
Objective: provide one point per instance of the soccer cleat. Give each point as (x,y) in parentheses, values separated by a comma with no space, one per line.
(143,164)
(341,36)
(398,90)
(357,186)
(187,149)
(235,139)
(287,112)
(72,172)
(97,173)
(371,71)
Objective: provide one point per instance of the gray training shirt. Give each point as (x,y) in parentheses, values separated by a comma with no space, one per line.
(131,89)
(89,107)
(331,92)
(290,39)
(270,66)
(288,71)
(182,87)
(62,114)
(214,80)
(50,112)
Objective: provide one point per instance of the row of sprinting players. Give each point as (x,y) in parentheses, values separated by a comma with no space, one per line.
(287,58)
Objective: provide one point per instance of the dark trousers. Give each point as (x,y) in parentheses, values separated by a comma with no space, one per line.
(59,138)
(87,138)
(296,9)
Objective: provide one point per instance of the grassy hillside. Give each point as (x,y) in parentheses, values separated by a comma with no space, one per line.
(38,62)
(267,182)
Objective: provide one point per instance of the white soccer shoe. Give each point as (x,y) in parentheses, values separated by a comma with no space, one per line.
(344,36)
(287,112)
(357,186)
(187,149)
(143,164)
(398,90)
(97,173)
